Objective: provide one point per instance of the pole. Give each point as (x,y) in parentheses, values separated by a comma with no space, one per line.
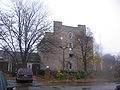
(63,58)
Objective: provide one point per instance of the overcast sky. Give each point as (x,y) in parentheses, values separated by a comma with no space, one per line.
(101,16)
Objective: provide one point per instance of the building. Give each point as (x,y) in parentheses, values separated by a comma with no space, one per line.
(60,49)
(3,62)
(7,63)
(3,65)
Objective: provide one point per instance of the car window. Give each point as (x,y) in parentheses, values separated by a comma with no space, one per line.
(25,71)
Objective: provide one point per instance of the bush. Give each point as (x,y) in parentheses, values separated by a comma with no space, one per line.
(41,72)
(13,74)
(65,75)
(68,75)
(81,74)
(57,74)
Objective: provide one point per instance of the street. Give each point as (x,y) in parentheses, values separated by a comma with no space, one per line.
(36,85)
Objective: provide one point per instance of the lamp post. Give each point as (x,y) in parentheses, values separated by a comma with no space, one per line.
(63,52)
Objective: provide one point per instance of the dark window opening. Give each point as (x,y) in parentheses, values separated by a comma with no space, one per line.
(70,67)
(70,45)
(71,55)
(29,66)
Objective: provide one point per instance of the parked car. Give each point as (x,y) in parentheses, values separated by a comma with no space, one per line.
(24,74)
(4,85)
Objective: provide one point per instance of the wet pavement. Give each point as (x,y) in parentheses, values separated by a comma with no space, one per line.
(36,85)
(88,86)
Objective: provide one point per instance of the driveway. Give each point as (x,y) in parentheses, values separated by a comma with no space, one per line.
(37,85)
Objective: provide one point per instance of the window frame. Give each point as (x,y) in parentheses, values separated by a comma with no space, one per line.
(70,35)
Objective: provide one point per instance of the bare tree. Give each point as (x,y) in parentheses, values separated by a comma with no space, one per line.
(49,43)
(86,44)
(96,56)
(22,27)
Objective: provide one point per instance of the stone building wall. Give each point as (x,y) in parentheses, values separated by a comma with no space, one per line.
(51,47)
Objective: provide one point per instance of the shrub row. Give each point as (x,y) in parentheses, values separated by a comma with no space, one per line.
(69,75)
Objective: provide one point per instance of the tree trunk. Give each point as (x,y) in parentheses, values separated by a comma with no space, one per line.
(85,63)
(24,65)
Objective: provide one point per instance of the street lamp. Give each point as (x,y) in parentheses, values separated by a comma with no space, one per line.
(47,67)
(70,49)
(63,50)
(61,38)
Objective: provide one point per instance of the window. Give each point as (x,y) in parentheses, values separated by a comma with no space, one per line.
(70,45)
(69,65)
(70,35)
(70,55)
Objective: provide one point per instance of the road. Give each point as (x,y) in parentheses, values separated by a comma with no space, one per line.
(36,85)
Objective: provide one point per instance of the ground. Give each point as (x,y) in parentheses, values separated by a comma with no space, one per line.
(41,84)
